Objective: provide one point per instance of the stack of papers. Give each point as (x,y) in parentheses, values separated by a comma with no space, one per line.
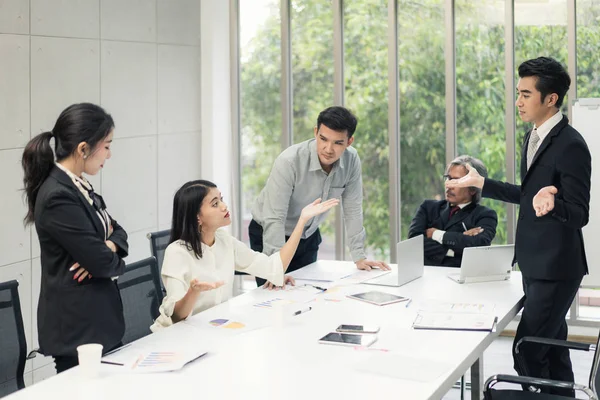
(456,316)
(455,322)
(159,360)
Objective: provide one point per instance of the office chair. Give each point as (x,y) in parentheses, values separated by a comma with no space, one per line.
(142,296)
(158,244)
(510,394)
(13,347)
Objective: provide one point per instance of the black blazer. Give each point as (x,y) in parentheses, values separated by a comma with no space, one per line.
(69,230)
(434,214)
(551,247)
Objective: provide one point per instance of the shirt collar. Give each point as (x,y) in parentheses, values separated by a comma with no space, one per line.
(544,129)
(315,164)
(74,177)
(461,206)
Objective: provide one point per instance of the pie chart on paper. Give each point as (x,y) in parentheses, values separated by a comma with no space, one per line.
(234,325)
(225,323)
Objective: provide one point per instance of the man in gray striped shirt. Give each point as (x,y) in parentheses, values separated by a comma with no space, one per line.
(324,167)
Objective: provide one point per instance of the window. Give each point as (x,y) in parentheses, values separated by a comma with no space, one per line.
(312,80)
(540,30)
(260,82)
(366,94)
(480,91)
(588,57)
(422,104)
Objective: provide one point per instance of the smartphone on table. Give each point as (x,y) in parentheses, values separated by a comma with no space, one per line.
(348,339)
(357,328)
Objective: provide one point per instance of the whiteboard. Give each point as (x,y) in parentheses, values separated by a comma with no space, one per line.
(586,119)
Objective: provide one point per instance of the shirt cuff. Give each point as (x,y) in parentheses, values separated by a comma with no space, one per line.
(450,253)
(358,254)
(438,236)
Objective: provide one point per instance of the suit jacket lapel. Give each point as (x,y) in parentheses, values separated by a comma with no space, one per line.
(547,140)
(64,179)
(524,156)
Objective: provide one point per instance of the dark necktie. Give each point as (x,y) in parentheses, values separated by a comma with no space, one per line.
(453,211)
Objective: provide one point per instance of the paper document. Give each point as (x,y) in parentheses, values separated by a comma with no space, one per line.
(458,308)
(161,361)
(361,276)
(321,271)
(459,321)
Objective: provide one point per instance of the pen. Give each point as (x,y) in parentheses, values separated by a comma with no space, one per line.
(464,226)
(317,287)
(302,311)
(408,303)
(111,363)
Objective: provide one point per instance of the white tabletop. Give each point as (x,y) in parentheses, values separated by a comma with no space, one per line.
(278,356)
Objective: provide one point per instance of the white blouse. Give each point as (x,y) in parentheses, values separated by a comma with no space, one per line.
(218,263)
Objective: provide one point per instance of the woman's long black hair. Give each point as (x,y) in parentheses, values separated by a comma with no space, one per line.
(186,206)
(78,123)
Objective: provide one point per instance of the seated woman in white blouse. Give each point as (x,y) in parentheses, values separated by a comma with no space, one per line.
(199,263)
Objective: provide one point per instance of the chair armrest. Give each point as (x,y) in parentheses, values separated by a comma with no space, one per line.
(547,342)
(535,382)
(555,343)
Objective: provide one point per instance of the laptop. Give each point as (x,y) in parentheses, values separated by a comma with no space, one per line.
(410,264)
(485,264)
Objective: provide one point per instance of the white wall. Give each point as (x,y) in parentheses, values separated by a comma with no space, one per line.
(140,59)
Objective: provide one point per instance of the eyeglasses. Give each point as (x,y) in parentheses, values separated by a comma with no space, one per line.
(448,177)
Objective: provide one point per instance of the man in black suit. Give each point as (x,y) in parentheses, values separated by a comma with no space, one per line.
(457,222)
(554,198)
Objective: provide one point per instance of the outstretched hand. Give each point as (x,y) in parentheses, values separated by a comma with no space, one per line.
(316,207)
(543,201)
(197,286)
(472,179)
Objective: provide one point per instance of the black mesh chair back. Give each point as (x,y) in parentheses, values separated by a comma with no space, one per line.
(158,244)
(13,347)
(142,295)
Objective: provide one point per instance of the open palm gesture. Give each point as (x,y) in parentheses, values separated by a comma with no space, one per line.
(543,201)
(316,207)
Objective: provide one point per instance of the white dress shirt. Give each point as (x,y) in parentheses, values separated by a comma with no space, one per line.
(218,263)
(296,180)
(544,129)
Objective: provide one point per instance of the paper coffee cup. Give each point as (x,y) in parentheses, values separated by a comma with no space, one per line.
(89,356)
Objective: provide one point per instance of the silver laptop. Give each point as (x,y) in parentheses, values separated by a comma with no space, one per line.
(410,264)
(485,264)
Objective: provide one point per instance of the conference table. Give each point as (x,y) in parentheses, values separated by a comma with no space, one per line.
(256,348)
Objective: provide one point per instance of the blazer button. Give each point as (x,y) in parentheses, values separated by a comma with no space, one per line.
(521,217)
(523,194)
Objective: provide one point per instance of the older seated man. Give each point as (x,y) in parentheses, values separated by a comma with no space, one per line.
(457,222)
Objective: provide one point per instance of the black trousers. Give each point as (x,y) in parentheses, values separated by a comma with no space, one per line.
(546,306)
(63,363)
(306,253)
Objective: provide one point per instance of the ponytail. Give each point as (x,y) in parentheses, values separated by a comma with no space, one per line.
(37,163)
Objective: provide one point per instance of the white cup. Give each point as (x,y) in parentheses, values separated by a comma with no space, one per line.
(89,359)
